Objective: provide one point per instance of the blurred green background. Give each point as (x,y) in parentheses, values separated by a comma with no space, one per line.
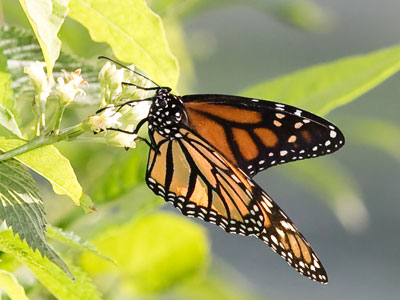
(229,46)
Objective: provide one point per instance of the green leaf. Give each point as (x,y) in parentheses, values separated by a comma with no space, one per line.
(52,165)
(57,282)
(133,31)
(301,13)
(73,240)
(7,120)
(151,255)
(22,209)
(46,18)
(324,87)
(126,171)
(381,134)
(11,286)
(139,202)
(333,184)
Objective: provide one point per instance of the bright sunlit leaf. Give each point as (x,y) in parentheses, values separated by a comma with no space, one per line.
(11,286)
(324,87)
(22,209)
(154,253)
(46,18)
(56,281)
(52,165)
(133,31)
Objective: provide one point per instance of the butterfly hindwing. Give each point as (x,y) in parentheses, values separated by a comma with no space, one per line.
(202,186)
(198,180)
(257,134)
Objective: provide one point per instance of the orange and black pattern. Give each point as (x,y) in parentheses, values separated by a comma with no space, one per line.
(204,150)
(258,134)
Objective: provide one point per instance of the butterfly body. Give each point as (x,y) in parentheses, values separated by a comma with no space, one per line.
(206,148)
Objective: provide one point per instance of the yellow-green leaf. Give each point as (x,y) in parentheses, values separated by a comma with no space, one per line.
(46,18)
(55,280)
(324,87)
(52,165)
(11,286)
(134,32)
(153,253)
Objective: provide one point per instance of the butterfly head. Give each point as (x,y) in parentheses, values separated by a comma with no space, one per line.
(166,113)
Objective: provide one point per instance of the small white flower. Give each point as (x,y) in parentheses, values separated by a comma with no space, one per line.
(121,139)
(110,79)
(68,87)
(133,114)
(39,79)
(108,118)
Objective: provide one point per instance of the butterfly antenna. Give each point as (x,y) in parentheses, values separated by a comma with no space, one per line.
(123,66)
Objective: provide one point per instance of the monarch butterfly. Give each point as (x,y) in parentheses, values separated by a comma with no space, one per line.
(205,149)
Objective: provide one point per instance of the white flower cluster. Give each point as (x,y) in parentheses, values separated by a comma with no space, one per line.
(115,91)
(113,113)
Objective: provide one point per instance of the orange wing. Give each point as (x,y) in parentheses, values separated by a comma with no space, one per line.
(201,183)
(257,134)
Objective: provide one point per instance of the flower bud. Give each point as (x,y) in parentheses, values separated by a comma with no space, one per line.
(39,79)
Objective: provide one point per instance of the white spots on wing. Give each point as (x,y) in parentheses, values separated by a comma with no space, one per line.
(271,154)
(315,148)
(151,180)
(283,152)
(298,125)
(235,178)
(280,116)
(267,201)
(333,134)
(305,121)
(298,112)
(292,139)
(249,193)
(279,105)
(261,162)
(277,123)
(327,143)
(273,162)
(266,207)
(316,264)
(274,239)
(280,232)
(255,100)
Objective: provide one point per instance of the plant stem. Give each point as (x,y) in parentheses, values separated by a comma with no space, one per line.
(44,140)
(60,115)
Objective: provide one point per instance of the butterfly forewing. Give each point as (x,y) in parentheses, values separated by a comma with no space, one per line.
(257,134)
(201,182)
